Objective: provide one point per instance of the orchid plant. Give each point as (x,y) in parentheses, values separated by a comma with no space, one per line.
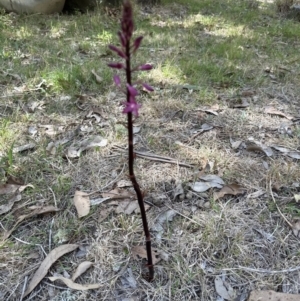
(131,107)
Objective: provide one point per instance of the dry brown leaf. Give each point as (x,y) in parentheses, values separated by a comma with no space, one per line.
(42,271)
(5,208)
(14,180)
(273,111)
(294,154)
(75,286)
(82,268)
(233,189)
(37,210)
(243,103)
(296,228)
(11,188)
(235,144)
(82,203)
(129,207)
(141,251)
(223,288)
(118,194)
(104,213)
(260,148)
(272,296)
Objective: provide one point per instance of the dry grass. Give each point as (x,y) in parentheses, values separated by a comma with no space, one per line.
(223,49)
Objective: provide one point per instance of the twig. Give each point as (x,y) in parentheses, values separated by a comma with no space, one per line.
(50,234)
(162,159)
(158,158)
(54,198)
(264,271)
(24,287)
(191,220)
(285,219)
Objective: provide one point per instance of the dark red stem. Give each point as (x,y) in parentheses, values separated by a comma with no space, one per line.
(131,170)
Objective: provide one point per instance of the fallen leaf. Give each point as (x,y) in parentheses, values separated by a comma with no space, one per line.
(210,181)
(36,211)
(294,154)
(163,217)
(286,151)
(23,148)
(203,186)
(75,286)
(128,280)
(82,203)
(206,127)
(296,228)
(129,207)
(233,189)
(243,103)
(257,146)
(52,257)
(118,194)
(99,79)
(235,144)
(82,268)
(141,252)
(272,111)
(5,208)
(75,150)
(272,296)
(11,188)
(104,213)
(223,289)
(178,190)
(96,141)
(280,148)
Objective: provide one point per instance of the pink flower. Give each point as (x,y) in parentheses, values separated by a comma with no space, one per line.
(117,80)
(148,87)
(145,67)
(137,43)
(132,107)
(118,51)
(132,91)
(116,65)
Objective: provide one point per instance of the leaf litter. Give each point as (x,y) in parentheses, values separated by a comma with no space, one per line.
(42,271)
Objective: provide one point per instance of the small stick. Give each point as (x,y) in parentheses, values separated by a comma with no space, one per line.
(24,287)
(264,271)
(285,219)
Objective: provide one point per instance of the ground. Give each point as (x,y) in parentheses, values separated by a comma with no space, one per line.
(226,103)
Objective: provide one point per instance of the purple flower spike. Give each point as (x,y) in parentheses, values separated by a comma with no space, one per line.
(137,43)
(117,51)
(127,20)
(145,67)
(147,87)
(132,107)
(116,65)
(117,80)
(132,91)
(122,38)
